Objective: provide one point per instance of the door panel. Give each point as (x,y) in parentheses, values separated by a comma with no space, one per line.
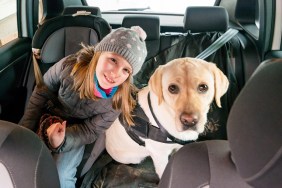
(14,61)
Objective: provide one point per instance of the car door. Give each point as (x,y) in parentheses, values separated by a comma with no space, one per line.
(17,27)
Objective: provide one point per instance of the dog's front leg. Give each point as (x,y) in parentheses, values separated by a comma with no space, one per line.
(160,153)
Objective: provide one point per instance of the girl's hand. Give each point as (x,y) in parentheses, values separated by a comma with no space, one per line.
(56,134)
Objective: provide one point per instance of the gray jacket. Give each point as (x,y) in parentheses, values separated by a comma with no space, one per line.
(95,115)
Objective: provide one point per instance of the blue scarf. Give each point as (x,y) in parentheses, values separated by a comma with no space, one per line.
(99,92)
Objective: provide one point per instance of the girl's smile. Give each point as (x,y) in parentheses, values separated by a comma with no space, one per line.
(109,79)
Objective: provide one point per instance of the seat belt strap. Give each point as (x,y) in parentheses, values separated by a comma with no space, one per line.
(228,35)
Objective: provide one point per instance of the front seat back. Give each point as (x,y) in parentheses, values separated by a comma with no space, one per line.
(25,161)
(252,156)
(255,128)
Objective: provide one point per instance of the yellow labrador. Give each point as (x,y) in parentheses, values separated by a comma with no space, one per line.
(176,102)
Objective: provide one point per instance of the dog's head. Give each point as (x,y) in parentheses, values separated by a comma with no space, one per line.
(187,87)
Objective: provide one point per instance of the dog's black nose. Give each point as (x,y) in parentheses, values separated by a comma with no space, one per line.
(188,120)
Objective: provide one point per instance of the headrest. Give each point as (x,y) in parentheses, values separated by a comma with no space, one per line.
(25,161)
(254,127)
(54,24)
(150,24)
(75,9)
(56,35)
(205,19)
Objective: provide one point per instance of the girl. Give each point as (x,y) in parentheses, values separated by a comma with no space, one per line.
(88,90)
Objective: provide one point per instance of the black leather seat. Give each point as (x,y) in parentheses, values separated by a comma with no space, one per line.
(252,156)
(25,161)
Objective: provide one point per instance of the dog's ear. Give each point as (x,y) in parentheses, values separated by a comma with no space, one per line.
(155,83)
(221,83)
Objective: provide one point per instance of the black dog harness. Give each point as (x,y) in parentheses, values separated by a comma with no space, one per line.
(143,128)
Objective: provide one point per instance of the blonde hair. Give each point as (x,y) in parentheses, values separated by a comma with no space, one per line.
(83,75)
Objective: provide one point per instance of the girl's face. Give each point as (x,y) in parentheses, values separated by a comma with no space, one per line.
(112,70)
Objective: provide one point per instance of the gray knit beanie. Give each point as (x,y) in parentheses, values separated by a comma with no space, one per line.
(129,43)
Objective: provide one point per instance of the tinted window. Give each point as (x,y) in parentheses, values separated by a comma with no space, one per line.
(8,21)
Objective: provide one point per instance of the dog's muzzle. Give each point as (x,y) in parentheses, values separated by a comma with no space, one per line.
(189,120)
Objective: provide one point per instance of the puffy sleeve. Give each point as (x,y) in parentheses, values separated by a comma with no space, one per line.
(53,75)
(39,98)
(88,131)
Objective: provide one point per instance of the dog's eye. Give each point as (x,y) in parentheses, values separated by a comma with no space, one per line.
(202,88)
(174,89)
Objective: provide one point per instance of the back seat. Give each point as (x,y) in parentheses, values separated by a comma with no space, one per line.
(199,35)
(201,31)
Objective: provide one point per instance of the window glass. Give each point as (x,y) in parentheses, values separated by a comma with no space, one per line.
(161,6)
(8,21)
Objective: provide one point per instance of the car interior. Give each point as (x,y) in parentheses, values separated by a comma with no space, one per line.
(241,146)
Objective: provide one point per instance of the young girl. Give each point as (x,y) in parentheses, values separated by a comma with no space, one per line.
(91,88)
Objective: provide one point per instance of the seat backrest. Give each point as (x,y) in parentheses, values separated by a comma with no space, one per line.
(62,36)
(25,160)
(255,123)
(249,52)
(252,156)
(151,25)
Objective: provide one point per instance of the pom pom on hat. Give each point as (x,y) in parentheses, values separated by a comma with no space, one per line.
(128,43)
(142,34)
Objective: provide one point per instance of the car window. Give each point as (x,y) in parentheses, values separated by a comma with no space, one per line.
(8,21)
(170,14)
(149,5)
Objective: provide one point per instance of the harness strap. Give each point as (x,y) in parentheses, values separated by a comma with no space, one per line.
(144,129)
(136,138)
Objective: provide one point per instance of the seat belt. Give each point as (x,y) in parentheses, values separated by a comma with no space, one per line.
(228,35)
